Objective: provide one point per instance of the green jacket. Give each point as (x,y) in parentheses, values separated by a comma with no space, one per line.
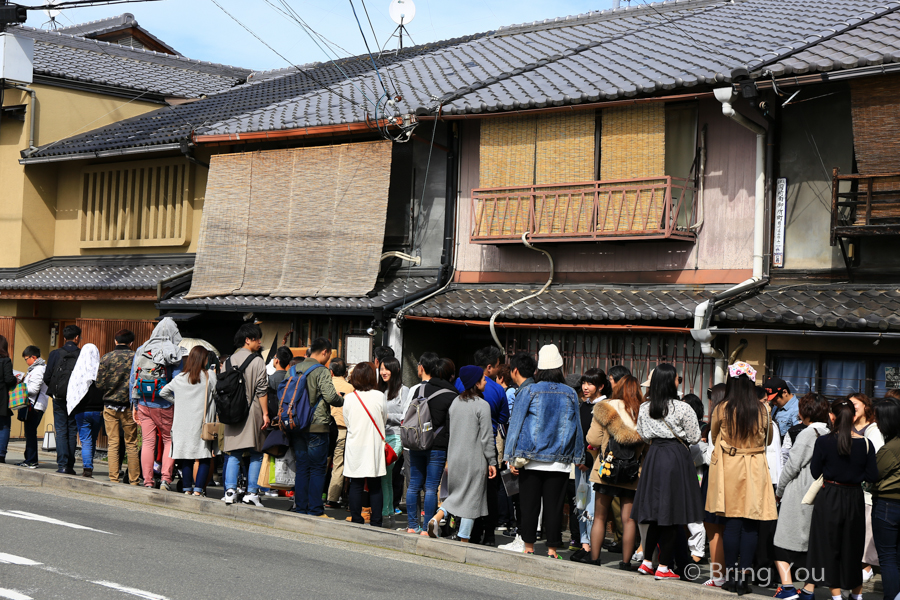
(112,375)
(888,459)
(319,384)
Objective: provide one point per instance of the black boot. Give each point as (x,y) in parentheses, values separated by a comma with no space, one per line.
(743,586)
(730,584)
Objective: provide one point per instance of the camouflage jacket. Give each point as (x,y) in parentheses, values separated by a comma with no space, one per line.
(112,376)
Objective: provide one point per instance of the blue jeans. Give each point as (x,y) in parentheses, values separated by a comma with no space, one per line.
(886,534)
(66,435)
(311,452)
(31,441)
(465,528)
(233,467)
(5,425)
(88,428)
(426,467)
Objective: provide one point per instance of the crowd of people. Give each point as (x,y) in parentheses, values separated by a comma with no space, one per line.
(807,488)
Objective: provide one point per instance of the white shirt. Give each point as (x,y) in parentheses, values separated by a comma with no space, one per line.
(364,448)
(37,389)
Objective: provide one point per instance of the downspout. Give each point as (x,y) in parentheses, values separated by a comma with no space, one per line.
(528,297)
(32,118)
(703,314)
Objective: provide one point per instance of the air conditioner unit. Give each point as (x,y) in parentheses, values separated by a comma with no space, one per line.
(16,58)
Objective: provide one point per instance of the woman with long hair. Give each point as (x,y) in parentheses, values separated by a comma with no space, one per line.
(616,420)
(544,441)
(886,496)
(470,454)
(365,413)
(740,486)
(667,494)
(864,425)
(396,397)
(837,536)
(192,393)
(792,530)
(8,383)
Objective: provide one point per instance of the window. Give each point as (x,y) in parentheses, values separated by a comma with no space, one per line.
(836,375)
(137,204)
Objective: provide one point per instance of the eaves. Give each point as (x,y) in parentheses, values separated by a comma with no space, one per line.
(98,88)
(263,308)
(100,154)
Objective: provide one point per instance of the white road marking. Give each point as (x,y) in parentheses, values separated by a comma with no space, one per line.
(130,590)
(13,595)
(19,514)
(11,559)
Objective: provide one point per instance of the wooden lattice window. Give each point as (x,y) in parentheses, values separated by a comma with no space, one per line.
(137,204)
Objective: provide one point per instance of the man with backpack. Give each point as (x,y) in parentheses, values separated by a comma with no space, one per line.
(310,439)
(60,365)
(426,432)
(244,382)
(118,414)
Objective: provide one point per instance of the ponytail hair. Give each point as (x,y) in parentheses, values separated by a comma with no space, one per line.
(844,414)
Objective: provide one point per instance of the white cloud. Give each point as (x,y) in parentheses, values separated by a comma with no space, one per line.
(199,29)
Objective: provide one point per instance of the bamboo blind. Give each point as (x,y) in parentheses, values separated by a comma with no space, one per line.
(140,204)
(8,330)
(297,222)
(875,109)
(102,332)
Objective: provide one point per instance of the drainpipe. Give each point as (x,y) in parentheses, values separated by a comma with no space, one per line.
(31,147)
(702,332)
(528,297)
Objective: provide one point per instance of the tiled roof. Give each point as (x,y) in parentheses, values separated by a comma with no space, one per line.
(807,307)
(65,56)
(94,29)
(100,273)
(639,50)
(385,292)
(173,123)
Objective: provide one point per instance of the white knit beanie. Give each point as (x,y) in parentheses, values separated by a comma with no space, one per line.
(549,358)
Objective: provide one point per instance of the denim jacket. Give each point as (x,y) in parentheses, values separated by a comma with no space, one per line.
(545,425)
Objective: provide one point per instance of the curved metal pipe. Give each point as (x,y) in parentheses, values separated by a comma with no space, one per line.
(528,297)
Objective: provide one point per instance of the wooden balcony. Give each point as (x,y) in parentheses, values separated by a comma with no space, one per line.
(869,205)
(588,211)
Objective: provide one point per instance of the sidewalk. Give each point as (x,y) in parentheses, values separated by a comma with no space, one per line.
(608,577)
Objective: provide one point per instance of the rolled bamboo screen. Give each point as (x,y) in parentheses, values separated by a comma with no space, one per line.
(875,108)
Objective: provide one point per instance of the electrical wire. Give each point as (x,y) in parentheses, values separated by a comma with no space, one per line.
(675,25)
(366,42)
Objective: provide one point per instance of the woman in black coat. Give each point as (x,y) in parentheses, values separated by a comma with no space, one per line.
(8,383)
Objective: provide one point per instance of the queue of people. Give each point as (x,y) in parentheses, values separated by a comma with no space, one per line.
(808,486)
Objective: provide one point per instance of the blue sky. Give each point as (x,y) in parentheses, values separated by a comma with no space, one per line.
(199,29)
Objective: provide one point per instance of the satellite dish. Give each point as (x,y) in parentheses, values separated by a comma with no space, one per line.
(402,11)
(52,13)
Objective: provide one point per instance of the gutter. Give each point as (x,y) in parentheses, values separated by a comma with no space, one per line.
(32,117)
(284,134)
(553,326)
(101,154)
(703,313)
(159,284)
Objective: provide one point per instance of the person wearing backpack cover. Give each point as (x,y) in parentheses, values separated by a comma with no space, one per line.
(154,364)
(247,436)
(60,364)
(426,465)
(310,444)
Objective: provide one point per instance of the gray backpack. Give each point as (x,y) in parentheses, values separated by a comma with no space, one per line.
(416,431)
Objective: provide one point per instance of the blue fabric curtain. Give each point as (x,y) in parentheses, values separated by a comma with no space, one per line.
(842,377)
(799,373)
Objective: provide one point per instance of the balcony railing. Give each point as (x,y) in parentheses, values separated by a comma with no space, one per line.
(868,205)
(656,208)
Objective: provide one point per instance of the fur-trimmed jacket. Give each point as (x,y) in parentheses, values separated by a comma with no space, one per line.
(611,419)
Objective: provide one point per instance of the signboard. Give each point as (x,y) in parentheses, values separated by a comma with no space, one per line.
(780,215)
(892,378)
(359,349)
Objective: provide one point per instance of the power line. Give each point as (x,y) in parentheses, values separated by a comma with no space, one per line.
(675,25)
(366,42)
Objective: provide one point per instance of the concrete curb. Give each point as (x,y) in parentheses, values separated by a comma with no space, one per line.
(607,579)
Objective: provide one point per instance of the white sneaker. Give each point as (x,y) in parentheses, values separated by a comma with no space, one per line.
(272,494)
(229,497)
(868,574)
(252,499)
(517,545)
(638,557)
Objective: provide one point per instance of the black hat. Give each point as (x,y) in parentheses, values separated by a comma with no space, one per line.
(774,387)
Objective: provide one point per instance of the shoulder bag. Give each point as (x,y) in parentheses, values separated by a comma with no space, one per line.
(390,457)
(813,491)
(210,428)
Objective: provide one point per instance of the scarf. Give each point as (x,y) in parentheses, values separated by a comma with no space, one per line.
(83,375)
(38,362)
(163,345)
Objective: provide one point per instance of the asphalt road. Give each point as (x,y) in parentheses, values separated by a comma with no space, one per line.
(92,548)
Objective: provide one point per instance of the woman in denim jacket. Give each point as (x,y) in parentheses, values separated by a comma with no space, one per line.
(544,441)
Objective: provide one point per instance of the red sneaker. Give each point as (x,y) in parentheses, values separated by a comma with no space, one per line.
(667,575)
(645,570)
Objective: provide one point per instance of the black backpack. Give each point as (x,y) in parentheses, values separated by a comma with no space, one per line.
(620,463)
(59,380)
(231,395)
